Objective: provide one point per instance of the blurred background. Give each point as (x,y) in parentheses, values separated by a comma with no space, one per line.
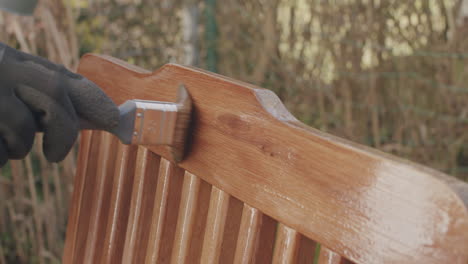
(385,73)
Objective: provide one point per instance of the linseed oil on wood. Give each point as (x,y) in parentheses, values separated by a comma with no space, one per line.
(257,186)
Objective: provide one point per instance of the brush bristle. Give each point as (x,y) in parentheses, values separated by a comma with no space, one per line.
(184,113)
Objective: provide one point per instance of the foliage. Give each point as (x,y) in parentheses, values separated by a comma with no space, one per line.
(34,194)
(390,74)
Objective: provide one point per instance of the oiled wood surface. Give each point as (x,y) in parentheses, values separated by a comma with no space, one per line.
(187,219)
(166,204)
(247,245)
(286,246)
(216,221)
(358,203)
(329,257)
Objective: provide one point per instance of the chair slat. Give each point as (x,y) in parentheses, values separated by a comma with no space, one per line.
(244,142)
(165,212)
(231,230)
(217,213)
(249,233)
(201,215)
(87,193)
(75,208)
(306,254)
(101,198)
(329,257)
(286,245)
(145,180)
(186,220)
(120,204)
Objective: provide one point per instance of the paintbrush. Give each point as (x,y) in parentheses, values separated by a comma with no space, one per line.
(154,123)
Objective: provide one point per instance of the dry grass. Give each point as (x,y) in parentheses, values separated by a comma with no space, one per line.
(35,193)
(400,88)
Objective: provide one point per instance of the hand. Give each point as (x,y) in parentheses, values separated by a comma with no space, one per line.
(38,95)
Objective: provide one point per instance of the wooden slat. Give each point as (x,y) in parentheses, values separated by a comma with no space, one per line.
(86,202)
(143,194)
(329,257)
(198,232)
(326,188)
(306,253)
(231,230)
(166,207)
(186,220)
(256,237)
(75,208)
(286,245)
(216,221)
(119,209)
(267,240)
(249,234)
(101,198)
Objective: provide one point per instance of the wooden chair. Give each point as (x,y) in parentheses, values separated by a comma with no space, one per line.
(257,187)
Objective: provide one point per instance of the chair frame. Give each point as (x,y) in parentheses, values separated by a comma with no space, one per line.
(257,186)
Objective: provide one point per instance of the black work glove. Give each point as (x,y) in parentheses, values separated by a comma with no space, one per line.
(38,95)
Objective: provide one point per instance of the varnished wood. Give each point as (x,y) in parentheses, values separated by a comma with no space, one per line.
(186,219)
(166,207)
(201,215)
(366,206)
(217,213)
(286,246)
(119,205)
(249,236)
(266,240)
(101,198)
(306,251)
(327,256)
(231,230)
(75,208)
(143,195)
(86,202)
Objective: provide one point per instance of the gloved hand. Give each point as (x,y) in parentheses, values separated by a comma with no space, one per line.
(37,95)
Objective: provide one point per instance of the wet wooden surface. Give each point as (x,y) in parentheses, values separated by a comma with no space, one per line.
(249,235)
(327,256)
(165,212)
(360,204)
(286,246)
(215,225)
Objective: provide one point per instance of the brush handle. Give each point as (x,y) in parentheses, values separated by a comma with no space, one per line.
(151,123)
(124,130)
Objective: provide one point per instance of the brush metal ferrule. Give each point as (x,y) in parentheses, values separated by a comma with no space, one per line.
(155,123)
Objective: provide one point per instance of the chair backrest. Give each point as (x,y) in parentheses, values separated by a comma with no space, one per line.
(257,187)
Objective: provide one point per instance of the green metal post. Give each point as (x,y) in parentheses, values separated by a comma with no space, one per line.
(211,35)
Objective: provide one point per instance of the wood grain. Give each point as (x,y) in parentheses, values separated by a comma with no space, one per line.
(362,204)
(143,195)
(329,257)
(101,198)
(358,203)
(165,212)
(306,251)
(266,240)
(217,213)
(120,204)
(86,202)
(249,236)
(75,208)
(201,215)
(231,230)
(186,219)
(286,245)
